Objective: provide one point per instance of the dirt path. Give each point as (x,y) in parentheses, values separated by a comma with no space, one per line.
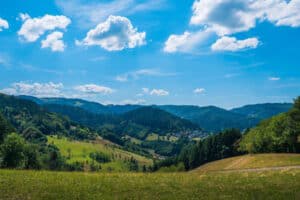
(262,169)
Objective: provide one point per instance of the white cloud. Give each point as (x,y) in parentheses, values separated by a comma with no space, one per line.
(54,42)
(232,16)
(186,42)
(90,13)
(94,89)
(3,24)
(227,17)
(23,16)
(35,89)
(115,34)
(142,72)
(153,92)
(159,92)
(274,78)
(232,44)
(199,90)
(33,28)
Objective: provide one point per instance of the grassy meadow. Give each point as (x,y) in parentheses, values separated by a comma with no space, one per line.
(204,183)
(34,185)
(78,151)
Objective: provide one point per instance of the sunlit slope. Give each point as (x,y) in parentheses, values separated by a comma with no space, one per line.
(252,162)
(79,151)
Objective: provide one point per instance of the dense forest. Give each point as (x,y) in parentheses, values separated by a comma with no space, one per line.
(280,133)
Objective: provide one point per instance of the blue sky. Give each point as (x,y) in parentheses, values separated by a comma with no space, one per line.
(225,53)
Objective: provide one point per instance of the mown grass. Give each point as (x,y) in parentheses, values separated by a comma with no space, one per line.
(78,151)
(35,185)
(252,161)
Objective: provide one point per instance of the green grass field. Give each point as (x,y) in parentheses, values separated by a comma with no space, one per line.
(79,151)
(34,185)
(273,184)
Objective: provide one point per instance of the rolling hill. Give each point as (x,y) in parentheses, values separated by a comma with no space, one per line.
(89,106)
(159,121)
(36,124)
(209,118)
(263,111)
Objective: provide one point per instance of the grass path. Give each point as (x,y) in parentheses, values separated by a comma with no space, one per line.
(262,169)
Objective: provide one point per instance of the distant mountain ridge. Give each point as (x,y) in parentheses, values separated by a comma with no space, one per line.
(209,118)
(263,111)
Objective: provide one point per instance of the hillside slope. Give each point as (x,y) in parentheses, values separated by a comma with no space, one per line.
(89,106)
(34,122)
(263,111)
(158,120)
(280,133)
(211,118)
(255,161)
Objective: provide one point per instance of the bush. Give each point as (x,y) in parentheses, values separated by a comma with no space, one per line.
(100,157)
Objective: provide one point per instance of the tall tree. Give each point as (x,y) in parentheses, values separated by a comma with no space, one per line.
(13,151)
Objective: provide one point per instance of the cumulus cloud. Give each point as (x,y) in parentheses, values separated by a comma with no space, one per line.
(227,17)
(232,44)
(33,28)
(186,42)
(3,24)
(54,41)
(115,34)
(94,89)
(274,78)
(199,90)
(232,16)
(34,89)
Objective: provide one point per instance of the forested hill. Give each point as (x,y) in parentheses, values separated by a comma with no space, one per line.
(158,120)
(209,118)
(89,106)
(280,133)
(137,123)
(263,111)
(34,122)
